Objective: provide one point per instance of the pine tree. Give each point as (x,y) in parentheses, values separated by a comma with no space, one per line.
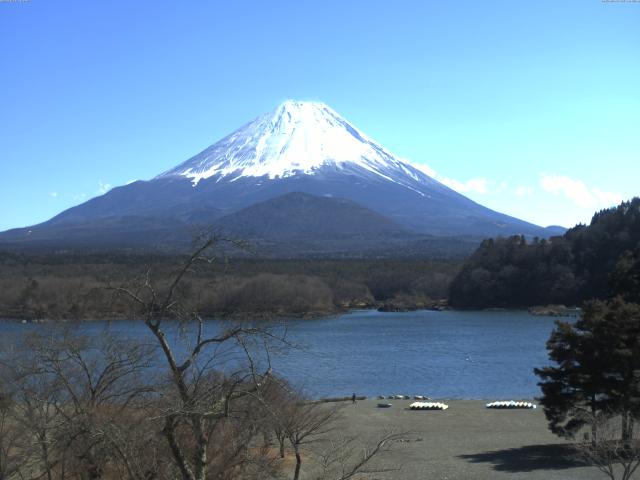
(597,369)
(619,324)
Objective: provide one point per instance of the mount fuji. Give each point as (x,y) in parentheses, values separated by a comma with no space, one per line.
(299,172)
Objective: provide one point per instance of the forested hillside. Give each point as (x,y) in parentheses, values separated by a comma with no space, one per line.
(77,286)
(600,260)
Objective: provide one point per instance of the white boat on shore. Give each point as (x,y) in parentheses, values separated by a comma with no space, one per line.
(506,404)
(428,406)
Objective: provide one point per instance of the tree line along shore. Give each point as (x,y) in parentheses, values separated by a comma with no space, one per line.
(77,287)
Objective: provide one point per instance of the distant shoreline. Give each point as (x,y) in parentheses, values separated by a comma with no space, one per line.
(547,311)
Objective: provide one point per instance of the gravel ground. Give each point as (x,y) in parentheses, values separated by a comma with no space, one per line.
(467,441)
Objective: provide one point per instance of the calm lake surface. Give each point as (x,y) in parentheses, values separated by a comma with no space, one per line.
(457,355)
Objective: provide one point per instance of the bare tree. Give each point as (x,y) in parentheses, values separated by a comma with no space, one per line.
(345,457)
(310,428)
(204,394)
(615,451)
(12,457)
(278,403)
(73,398)
(306,423)
(37,412)
(102,384)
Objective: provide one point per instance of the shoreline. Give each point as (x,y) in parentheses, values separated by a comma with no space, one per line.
(373,399)
(262,316)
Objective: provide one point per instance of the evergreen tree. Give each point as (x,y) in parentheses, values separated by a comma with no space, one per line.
(601,260)
(597,369)
(625,278)
(572,390)
(619,327)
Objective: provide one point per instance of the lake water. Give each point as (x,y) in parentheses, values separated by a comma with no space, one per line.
(457,355)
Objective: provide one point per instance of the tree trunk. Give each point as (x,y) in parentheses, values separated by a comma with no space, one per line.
(176,451)
(266,439)
(45,455)
(201,448)
(627,428)
(594,422)
(296,474)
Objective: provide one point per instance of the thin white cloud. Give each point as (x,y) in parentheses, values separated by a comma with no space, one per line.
(53,194)
(103,187)
(424,168)
(524,191)
(476,185)
(607,198)
(578,192)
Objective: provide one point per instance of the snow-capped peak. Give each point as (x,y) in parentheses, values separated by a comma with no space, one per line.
(297,138)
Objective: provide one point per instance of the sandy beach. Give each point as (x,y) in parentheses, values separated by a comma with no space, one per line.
(467,441)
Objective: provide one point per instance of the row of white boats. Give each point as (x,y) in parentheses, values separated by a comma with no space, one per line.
(428,406)
(404,397)
(501,404)
(511,404)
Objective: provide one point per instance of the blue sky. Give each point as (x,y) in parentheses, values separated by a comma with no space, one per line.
(530,108)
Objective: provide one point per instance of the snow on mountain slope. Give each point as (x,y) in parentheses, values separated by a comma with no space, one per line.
(297,138)
(301,148)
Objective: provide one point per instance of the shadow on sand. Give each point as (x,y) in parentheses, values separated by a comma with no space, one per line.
(528,458)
